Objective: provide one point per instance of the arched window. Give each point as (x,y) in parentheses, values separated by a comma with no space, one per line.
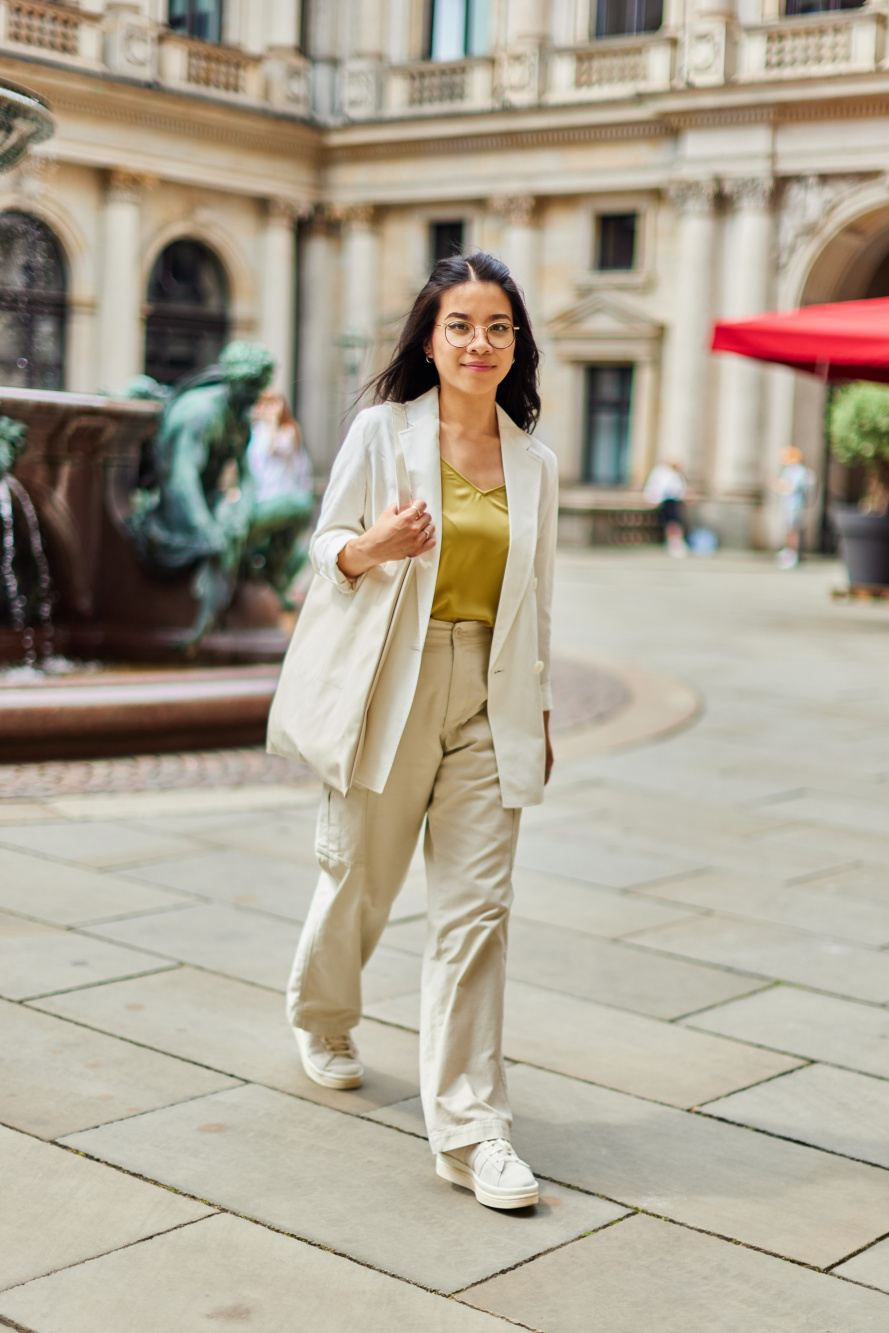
(32,304)
(187,324)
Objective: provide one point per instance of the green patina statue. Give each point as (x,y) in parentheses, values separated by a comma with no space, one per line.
(197,505)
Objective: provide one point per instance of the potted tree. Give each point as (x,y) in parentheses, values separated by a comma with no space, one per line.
(858,427)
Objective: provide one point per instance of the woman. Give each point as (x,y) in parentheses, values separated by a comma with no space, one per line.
(275,455)
(458,728)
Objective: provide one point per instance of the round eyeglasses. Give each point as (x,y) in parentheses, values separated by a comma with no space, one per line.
(460,333)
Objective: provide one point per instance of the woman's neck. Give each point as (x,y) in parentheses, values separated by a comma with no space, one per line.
(470,413)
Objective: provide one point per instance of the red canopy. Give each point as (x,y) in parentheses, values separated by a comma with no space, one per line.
(848,340)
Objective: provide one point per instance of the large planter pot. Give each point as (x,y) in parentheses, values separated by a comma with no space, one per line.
(864,541)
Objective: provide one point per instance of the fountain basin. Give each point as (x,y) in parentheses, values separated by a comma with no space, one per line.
(96,715)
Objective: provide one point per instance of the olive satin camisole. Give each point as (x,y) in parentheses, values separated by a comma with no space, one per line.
(474,547)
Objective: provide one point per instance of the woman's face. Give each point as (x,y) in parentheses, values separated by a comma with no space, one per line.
(478,368)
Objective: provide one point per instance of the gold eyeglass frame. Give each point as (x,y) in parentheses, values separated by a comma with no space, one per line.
(484,328)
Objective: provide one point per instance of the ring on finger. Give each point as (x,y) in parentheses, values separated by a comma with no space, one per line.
(416,510)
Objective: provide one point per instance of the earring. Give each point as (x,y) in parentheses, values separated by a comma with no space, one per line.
(429,359)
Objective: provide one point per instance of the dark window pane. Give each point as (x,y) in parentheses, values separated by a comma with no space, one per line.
(616,241)
(609,396)
(196,18)
(796,8)
(445,240)
(619,18)
(32,304)
(187,324)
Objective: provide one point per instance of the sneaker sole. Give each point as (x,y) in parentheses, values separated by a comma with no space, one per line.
(461,1175)
(331,1081)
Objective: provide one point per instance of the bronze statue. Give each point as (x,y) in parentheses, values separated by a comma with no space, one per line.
(197,507)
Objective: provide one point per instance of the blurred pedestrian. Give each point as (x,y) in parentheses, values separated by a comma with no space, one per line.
(276,457)
(667,488)
(456,734)
(795,485)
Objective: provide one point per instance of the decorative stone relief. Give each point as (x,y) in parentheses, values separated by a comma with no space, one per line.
(516,210)
(517,76)
(354,217)
(707,53)
(693,196)
(126,187)
(288,82)
(749,193)
(805,203)
(359,89)
(130,43)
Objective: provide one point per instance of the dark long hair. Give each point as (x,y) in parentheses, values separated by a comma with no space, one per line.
(409,374)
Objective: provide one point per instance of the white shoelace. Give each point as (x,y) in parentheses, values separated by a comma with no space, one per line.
(340,1046)
(500,1151)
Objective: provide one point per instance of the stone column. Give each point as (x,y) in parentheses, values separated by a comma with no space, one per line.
(277,312)
(317,361)
(738,472)
(360,311)
(121,335)
(518,244)
(683,429)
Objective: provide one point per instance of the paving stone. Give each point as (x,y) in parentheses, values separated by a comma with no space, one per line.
(844,844)
(816,1027)
(59,1208)
(229,1272)
(58,1078)
(39,960)
(177,802)
(288,835)
(339,1181)
(240,1029)
(240,878)
(558,851)
(578,906)
(94,844)
(807,906)
(823,808)
(231,940)
(829,1108)
(791,1200)
(864,881)
(647,1274)
(871,1267)
(600,1044)
(820,961)
(68,895)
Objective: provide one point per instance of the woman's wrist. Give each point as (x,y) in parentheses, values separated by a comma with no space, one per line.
(353,559)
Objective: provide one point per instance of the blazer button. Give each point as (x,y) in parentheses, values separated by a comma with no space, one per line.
(538,667)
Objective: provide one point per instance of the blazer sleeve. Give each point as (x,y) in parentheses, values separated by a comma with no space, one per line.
(544,569)
(343,507)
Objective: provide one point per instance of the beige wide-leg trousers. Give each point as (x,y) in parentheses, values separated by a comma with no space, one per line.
(444,772)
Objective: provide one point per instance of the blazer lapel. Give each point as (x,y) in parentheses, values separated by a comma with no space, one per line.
(421,455)
(522,471)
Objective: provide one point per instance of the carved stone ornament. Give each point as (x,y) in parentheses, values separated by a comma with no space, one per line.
(126,186)
(354,217)
(514,210)
(287,210)
(138,42)
(517,76)
(805,203)
(693,196)
(752,193)
(359,90)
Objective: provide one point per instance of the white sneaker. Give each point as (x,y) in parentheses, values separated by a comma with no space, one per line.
(331,1061)
(492,1171)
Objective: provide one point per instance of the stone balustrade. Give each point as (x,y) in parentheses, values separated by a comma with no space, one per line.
(612,67)
(209,67)
(59,31)
(430,87)
(848,41)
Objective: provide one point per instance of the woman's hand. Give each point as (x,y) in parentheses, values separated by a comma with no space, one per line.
(394,536)
(549,749)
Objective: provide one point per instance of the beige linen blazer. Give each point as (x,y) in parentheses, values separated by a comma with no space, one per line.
(362,485)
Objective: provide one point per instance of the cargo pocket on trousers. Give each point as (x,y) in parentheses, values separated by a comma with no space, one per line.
(339,834)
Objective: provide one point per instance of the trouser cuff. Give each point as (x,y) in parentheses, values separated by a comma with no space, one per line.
(466,1134)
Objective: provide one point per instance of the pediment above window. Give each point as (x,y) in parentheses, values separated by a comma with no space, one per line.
(605,327)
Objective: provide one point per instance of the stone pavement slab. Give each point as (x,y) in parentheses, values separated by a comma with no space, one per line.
(288,835)
(225,1272)
(100,844)
(58,1077)
(578,906)
(558,850)
(861,815)
(806,906)
(820,961)
(871,1267)
(849,845)
(67,895)
(864,881)
(791,1200)
(59,1208)
(828,1108)
(242,879)
(643,1274)
(817,1027)
(600,1044)
(40,960)
(341,1182)
(241,1029)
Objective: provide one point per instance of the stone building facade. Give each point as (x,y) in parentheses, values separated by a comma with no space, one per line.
(287,171)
